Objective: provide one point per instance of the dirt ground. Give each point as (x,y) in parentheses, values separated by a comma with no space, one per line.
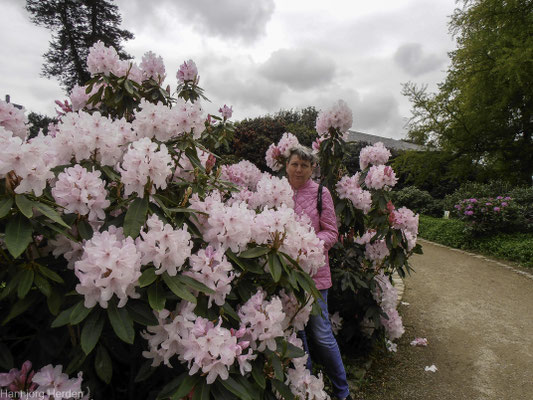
(478,319)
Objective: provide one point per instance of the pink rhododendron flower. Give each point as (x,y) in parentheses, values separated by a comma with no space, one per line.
(380,177)
(226,111)
(212,269)
(376,154)
(13,119)
(349,188)
(102,59)
(404,219)
(110,265)
(52,380)
(336,322)
(167,248)
(338,117)
(144,162)
(82,192)
(295,315)
(187,72)
(272,192)
(152,66)
(244,174)
(276,155)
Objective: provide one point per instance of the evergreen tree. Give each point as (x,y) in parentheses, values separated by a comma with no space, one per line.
(76,26)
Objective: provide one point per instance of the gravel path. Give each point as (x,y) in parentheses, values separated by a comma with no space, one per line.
(478,318)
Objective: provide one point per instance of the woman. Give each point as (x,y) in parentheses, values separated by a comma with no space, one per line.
(299,168)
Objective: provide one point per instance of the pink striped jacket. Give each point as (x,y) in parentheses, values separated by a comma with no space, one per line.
(305,201)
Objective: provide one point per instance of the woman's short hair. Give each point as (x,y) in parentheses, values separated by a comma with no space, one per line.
(303,153)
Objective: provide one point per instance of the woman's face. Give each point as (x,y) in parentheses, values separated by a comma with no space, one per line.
(298,171)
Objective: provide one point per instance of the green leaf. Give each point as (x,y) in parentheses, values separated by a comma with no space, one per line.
(255,252)
(92,329)
(121,322)
(6,358)
(178,288)
(276,364)
(228,309)
(135,217)
(50,274)
(76,361)
(201,391)
(20,307)
(170,387)
(63,318)
(85,229)
(236,388)
(193,283)
(54,302)
(103,364)
(79,313)
(258,373)
(42,284)
(293,351)
(141,313)
(25,205)
(5,206)
(18,234)
(26,281)
(148,277)
(145,371)
(275,266)
(283,389)
(156,296)
(185,387)
(50,213)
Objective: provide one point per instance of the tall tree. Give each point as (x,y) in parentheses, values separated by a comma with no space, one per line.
(76,26)
(482,113)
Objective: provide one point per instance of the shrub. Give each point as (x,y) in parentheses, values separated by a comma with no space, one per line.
(417,200)
(487,214)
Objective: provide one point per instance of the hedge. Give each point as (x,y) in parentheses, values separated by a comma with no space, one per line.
(517,247)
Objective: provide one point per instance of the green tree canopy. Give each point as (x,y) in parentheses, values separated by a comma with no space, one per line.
(482,114)
(76,26)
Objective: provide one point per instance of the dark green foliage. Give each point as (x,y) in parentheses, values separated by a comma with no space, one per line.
(482,114)
(76,26)
(39,122)
(516,247)
(420,201)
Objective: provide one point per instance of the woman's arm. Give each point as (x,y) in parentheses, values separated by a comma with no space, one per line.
(328,221)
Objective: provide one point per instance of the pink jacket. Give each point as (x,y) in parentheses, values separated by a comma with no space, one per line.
(305,201)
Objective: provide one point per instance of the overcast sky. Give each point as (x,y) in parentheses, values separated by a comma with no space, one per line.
(265,55)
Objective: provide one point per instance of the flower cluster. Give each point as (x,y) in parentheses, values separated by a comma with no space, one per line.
(30,161)
(295,315)
(87,136)
(13,119)
(276,155)
(152,67)
(110,264)
(145,164)
(165,247)
(105,60)
(387,296)
(376,154)
(212,269)
(163,123)
(375,250)
(206,347)
(404,219)
(380,177)
(302,383)
(226,111)
(244,174)
(187,72)
(81,192)
(47,383)
(349,188)
(272,192)
(263,320)
(338,117)
(487,214)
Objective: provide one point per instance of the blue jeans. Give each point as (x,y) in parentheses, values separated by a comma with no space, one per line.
(325,349)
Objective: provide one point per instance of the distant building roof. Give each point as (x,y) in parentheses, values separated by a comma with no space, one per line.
(354,136)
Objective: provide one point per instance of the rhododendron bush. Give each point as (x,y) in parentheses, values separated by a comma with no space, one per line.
(134,261)
(376,239)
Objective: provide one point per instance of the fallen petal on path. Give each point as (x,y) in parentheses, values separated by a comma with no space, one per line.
(432,368)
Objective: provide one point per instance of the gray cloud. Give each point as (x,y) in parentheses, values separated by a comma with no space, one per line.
(411,59)
(233,19)
(299,69)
